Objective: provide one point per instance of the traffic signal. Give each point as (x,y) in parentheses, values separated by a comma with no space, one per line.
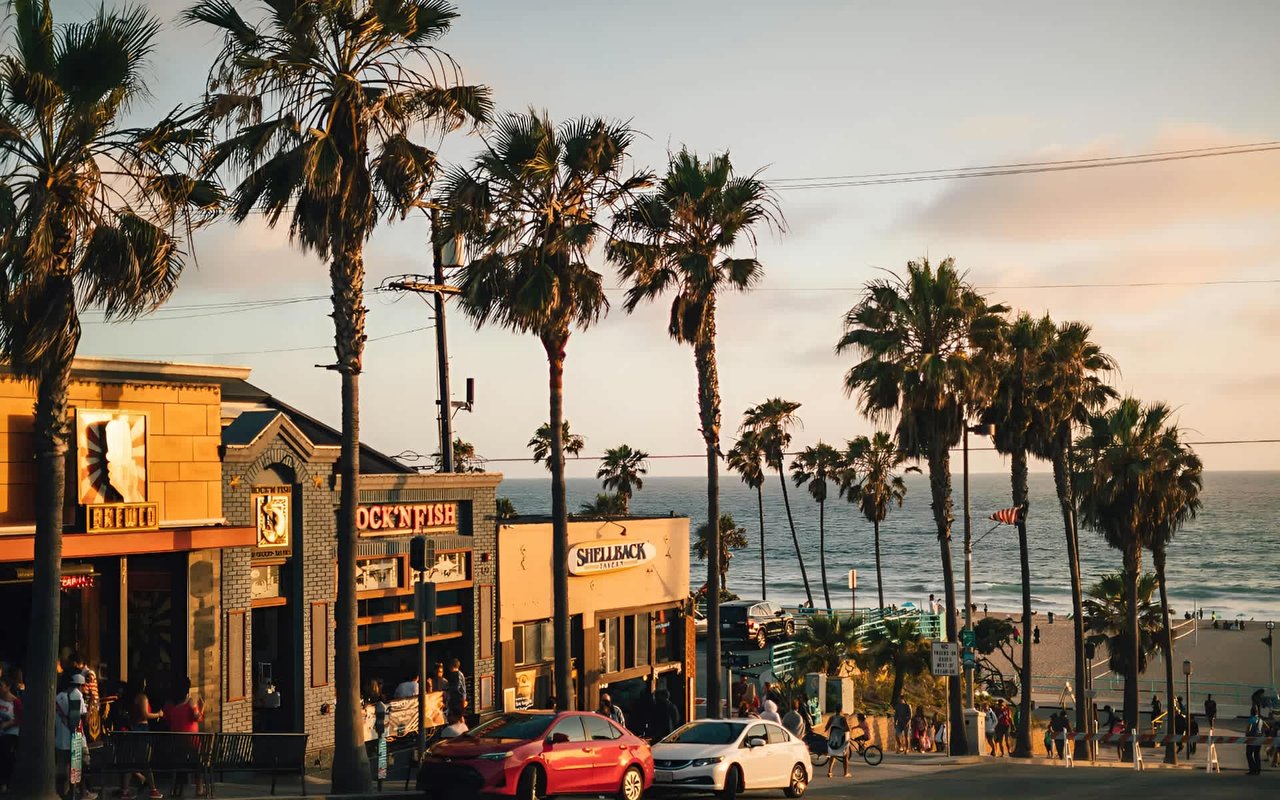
(422,553)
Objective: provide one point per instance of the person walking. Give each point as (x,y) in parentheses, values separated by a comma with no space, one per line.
(10,726)
(839,744)
(1061,728)
(794,721)
(989,722)
(68,723)
(666,717)
(141,715)
(183,714)
(770,712)
(608,709)
(902,725)
(1210,710)
(1253,752)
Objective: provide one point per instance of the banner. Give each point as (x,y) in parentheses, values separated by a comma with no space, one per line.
(402,716)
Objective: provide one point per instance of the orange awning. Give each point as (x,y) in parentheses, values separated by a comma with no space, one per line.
(171,540)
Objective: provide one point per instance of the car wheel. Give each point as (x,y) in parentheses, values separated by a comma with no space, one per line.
(762,639)
(632,784)
(791,627)
(732,783)
(532,785)
(799,781)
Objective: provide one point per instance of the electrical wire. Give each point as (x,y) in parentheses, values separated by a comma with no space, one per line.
(271,351)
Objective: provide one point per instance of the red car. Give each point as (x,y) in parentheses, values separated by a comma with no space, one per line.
(537,754)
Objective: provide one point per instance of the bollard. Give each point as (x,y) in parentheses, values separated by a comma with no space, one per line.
(1211,755)
(1137,752)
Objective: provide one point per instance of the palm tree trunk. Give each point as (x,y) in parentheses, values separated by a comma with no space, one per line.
(563,658)
(795,540)
(898,677)
(879,576)
(1066,503)
(822,552)
(704,354)
(1022,747)
(351,773)
(1166,647)
(940,490)
(764,585)
(36,777)
(1132,566)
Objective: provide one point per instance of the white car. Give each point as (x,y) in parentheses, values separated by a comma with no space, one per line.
(731,756)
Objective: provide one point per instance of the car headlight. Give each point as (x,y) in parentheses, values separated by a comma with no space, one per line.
(706,762)
(495,756)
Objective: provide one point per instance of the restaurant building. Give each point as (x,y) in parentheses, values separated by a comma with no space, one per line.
(630,619)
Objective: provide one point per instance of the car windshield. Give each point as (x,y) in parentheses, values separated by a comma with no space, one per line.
(706,733)
(515,726)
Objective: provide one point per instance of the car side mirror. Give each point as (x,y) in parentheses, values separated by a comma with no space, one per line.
(559,738)
(755,741)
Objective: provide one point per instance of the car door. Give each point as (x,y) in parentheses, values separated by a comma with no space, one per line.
(569,756)
(778,756)
(609,756)
(755,769)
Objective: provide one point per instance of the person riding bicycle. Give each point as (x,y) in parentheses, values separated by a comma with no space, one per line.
(861,732)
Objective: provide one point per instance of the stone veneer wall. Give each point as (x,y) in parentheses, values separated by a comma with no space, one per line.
(237,716)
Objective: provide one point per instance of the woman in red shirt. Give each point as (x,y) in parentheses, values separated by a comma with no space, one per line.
(184,715)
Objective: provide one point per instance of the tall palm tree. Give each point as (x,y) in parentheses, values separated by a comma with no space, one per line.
(814,467)
(622,470)
(1106,613)
(682,238)
(828,643)
(747,459)
(322,102)
(465,458)
(1019,410)
(1175,501)
(92,214)
(529,207)
(922,338)
(731,537)
(1076,386)
(772,421)
(870,482)
(571,444)
(898,644)
(606,504)
(1118,498)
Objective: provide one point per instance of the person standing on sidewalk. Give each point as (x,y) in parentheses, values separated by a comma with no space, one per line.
(1253,752)
(10,724)
(1210,710)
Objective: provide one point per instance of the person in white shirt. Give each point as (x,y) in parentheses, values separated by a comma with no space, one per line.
(770,712)
(407,688)
(456,727)
(69,710)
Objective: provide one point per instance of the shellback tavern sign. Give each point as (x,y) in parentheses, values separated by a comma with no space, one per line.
(391,519)
(590,558)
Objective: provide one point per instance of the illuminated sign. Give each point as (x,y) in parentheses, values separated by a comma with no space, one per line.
(595,557)
(111,457)
(385,520)
(122,517)
(271,510)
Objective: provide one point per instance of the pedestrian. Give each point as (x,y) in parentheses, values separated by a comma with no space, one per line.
(666,717)
(939,734)
(10,726)
(1035,635)
(750,696)
(455,726)
(989,722)
(739,691)
(1061,727)
(608,709)
(984,609)
(1210,710)
(68,723)
(406,689)
(456,686)
(1156,708)
(1191,735)
(183,714)
(1004,723)
(920,739)
(838,743)
(770,712)
(794,721)
(1253,752)
(1048,734)
(902,725)
(141,716)
(807,709)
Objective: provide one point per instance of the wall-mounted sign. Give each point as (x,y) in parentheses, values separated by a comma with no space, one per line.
(380,573)
(591,558)
(390,519)
(271,511)
(448,568)
(121,517)
(264,581)
(111,457)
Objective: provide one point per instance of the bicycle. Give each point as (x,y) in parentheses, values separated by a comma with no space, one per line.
(819,755)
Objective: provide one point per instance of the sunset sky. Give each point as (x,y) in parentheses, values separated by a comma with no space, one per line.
(813,89)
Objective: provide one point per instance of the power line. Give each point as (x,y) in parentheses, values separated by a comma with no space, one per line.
(264,352)
(219,309)
(998,287)
(870,179)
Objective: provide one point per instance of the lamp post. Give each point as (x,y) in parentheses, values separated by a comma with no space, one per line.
(982,430)
(1091,717)
(1271,662)
(1186,709)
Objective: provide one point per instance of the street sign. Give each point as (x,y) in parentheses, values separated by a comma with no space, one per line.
(853,579)
(945,658)
(967,637)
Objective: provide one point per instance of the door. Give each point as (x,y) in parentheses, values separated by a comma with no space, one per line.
(754,760)
(569,756)
(611,754)
(778,756)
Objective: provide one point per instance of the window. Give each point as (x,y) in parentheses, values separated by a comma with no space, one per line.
(570,727)
(485,625)
(534,642)
(320,644)
(644,630)
(755,731)
(599,729)
(777,735)
(514,726)
(611,644)
(663,641)
(235,655)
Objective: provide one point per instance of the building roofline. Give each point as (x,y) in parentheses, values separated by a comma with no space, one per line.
(169,369)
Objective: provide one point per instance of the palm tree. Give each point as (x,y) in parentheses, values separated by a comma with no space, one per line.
(326,98)
(621,471)
(528,208)
(923,341)
(506,509)
(828,644)
(869,481)
(606,504)
(732,537)
(1175,501)
(898,644)
(771,421)
(815,466)
(1118,500)
(92,214)
(1106,612)
(680,238)
(1019,410)
(571,444)
(465,458)
(747,458)
(1075,368)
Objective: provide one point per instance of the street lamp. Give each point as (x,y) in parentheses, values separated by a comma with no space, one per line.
(980,430)
(1186,709)
(1271,663)
(1091,718)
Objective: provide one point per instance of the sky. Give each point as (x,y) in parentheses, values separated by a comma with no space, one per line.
(814,89)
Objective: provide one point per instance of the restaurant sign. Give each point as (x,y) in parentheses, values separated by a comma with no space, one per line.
(390,519)
(591,558)
(121,517)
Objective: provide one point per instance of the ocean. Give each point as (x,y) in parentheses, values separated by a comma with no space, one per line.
(1226,560)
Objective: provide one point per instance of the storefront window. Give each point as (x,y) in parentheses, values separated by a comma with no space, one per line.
(644,629)
(611,644)
(535,642)
(662,639)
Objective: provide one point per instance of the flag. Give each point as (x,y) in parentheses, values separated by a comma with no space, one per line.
(1010,516)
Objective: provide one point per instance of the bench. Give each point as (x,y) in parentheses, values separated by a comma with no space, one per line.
(272,753)
(129,752)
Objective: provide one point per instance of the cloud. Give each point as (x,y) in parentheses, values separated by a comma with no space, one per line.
(1115,201)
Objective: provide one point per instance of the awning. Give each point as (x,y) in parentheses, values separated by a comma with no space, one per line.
(100,545)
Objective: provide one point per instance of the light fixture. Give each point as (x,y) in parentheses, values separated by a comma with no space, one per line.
(1186,667)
